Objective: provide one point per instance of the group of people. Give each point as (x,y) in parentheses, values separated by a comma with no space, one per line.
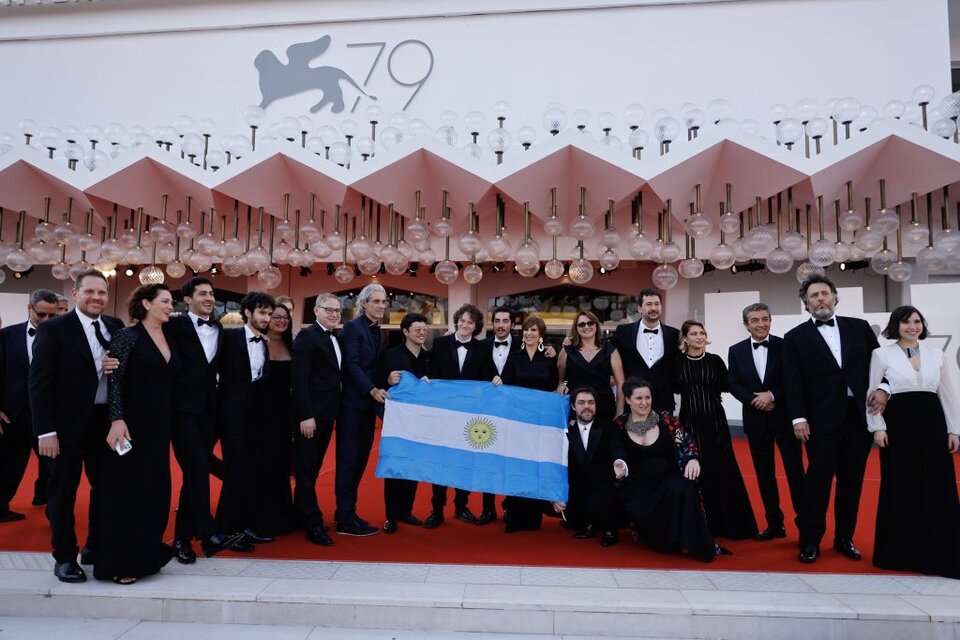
(93,396)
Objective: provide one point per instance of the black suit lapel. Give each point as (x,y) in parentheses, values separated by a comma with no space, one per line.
(593,441)
(576,442)
(816,339)
(843,328)
(19,347)
(78,338)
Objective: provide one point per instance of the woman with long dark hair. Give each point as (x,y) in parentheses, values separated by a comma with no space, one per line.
(591,361)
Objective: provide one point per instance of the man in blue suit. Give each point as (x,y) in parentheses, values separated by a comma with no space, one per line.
(361,402)
(16,428)
(756,379)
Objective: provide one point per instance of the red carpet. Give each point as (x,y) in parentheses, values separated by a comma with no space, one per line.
(456,542)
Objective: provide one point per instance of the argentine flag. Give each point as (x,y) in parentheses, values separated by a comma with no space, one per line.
(475,436)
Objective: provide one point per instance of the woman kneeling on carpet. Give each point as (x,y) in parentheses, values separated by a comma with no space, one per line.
(656,462)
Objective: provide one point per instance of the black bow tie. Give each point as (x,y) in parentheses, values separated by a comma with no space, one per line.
(829,322)
(651,330)
(765,343)
(329,332)
(201,322)
(31,332)
(464,345)
(497,343)
(256,339)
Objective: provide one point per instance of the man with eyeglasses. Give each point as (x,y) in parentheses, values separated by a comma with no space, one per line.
(649,349)
(16,432)
(317,384)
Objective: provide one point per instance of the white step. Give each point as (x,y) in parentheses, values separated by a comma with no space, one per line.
(322,597)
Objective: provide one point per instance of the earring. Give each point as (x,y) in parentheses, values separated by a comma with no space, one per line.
(540,346)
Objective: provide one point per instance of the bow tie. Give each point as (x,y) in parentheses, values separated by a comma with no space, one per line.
(201,322)
(464,345)
(651,330)
(256,339)
(765,343)
(829,322)
(497,343)
(31,332)
(329,332)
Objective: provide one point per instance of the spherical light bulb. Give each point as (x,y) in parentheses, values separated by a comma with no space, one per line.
(634,115)
(151,274)
(665,277)
(868,239)
(448,135)
(582,227)
(470,243)
(472,273)
(60,271)
(640,247)
(699,225)
(882,261)
(916,233)
(443,228)
(691,268)
(885,222)
(900,271)
(176,269)
(499,140)
(390,137)
(666,129)
(893,109)
(723,256)
(851,220)
(609,260)
(343,274)
(807,270)
(500,248)
(923,94)
(779,260)
(369,266)
(789,131)
(526,135)
(792,241)
(446,272)
(670,252)
(822,253)
(930,260)
(729,223)
(553,269)
(427,257)
(947,241)
(581,271)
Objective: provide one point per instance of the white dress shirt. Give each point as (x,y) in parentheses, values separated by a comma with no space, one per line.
(208,335)
(500,354)
(256,353)
(891,362)
(584,432)
(650,345)
(462,350)
(97,351)
(336,345)
(831,336)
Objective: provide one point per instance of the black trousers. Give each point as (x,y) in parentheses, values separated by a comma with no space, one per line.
(15,446)
(239,440)
(460,499)
(42,484)
(762,442)
(85,455)
(398,497)
(308,456)
(840,450)
(191,436)
(594,505)
(355,426)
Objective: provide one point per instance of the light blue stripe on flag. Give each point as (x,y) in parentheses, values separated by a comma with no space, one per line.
(474,436)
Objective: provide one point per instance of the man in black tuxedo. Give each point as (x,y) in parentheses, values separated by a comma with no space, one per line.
(16,428)
(399,494)
(362,400)
(460,356)
(503,341)
(317,366)
(244,366)
(193,435)
(755,378)
(68,398)
(826,371)
(592,499)
(649,350)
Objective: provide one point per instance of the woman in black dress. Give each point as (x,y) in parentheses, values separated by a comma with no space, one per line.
(701,378)
(918,515)
(135,484)
(528,367)
(590,361)
(272,512)
(656,462)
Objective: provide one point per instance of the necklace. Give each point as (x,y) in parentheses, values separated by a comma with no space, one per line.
(699,357)
(911,352)
(640,427)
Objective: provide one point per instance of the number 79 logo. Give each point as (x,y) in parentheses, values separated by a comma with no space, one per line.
(402,48)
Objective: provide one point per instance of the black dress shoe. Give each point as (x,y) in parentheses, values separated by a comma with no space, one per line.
(846,548)
(11,516)
(69,572)
(183,552)
(412,520)
(609,538)
(466,515)
(39,500)
(390,526)
(586,532)
(486,517)
(809,553)
(255,537)
(318,535)
(771,532)
(220,541)
(720,550)
(87,556)
(434,520)
(356,528)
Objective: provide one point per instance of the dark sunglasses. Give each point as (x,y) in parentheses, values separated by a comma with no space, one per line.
(585,323)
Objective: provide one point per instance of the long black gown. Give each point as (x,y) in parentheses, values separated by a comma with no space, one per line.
(663,506)
(272,498)
(135,488)
(596,374)
(539,372)
(700,382)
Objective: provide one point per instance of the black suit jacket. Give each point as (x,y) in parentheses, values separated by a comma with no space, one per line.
(445,364)
(63,377)
(816,387)
(743,381)
(316,375)
(399,358)
(663,373)
(236,396)
(516,344)
(196,385)
(591,468)
(361,350)
(14,371)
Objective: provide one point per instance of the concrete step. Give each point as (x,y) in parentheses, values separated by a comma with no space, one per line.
(517,601)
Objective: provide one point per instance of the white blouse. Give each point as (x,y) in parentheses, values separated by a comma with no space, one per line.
(891,362)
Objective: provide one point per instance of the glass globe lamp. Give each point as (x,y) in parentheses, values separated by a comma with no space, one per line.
(470,243)
(779,260)
(581,271)
(610,238)
(723,256)
(729,223)
(427,257)
(665,277)
(554,120)
(320,250)
(499,248)
(552,226)
(472,273)
(691,268)
(882,261)
(947,241)
(112,250)
(666,129)
(609,260)
(151,274)
(851,220)
(916,232)
(582,227)
(447,134)
(443,227)
(258,259)
(807,270)
(527,254)
(528,270)
(885,222)
(670,252)
(892,109)
(868,239)
(368,266)
(553,269)
(446,272)
(176,269)
(789,131)
(640,247)
(822,253)
(761,239)
(699,225)
(361,248)
(793,242)
(944,127)
(60,271)
(900,271)
(855,253)
(343,274)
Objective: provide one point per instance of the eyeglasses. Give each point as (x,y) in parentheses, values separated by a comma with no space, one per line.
(332,310)
(586,323)
(416,329)
(280,318)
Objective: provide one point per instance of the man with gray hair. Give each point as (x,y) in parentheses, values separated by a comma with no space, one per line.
(756,379)
(16,430)
(317,380)
(363,346)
